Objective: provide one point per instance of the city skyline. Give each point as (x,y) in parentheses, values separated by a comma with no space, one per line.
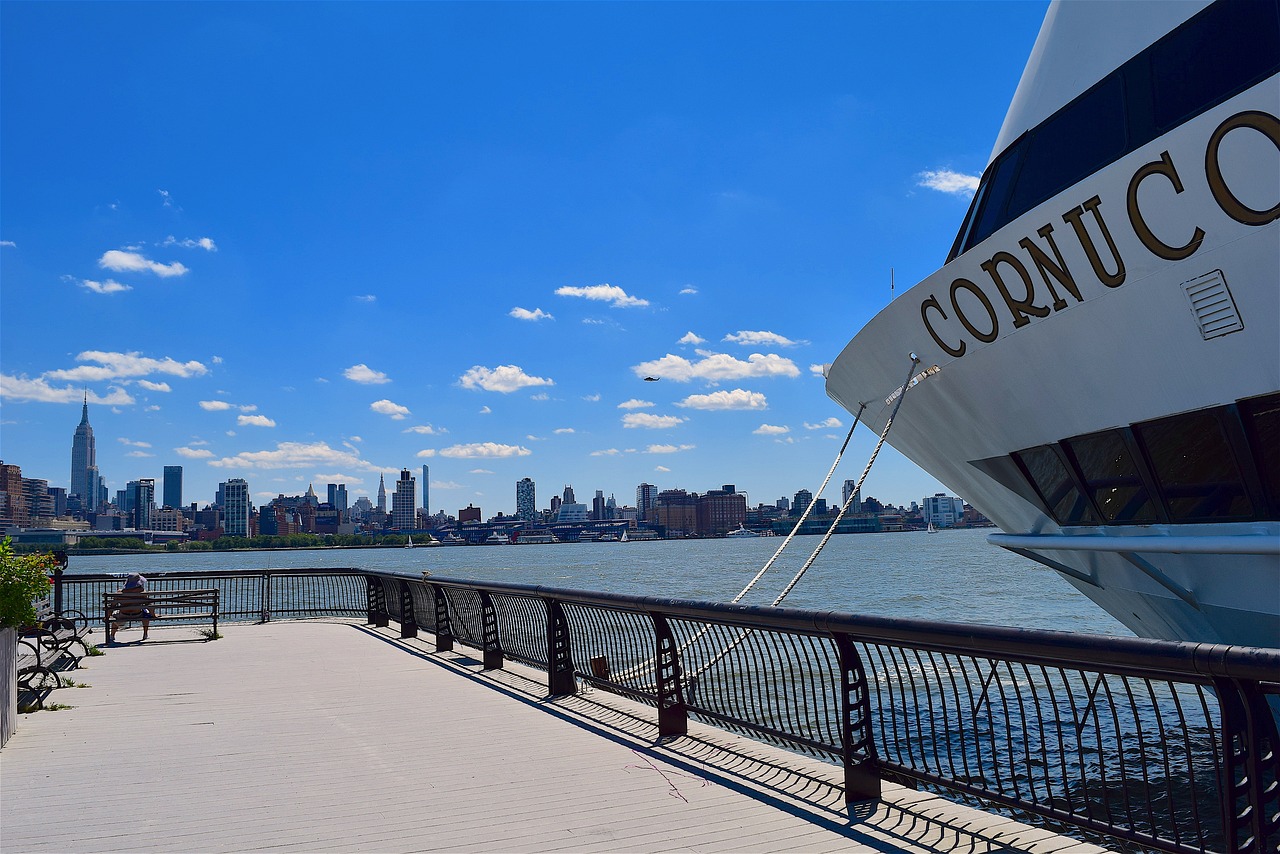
(342,256)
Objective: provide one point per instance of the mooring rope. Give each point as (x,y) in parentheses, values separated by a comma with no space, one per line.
(742,635)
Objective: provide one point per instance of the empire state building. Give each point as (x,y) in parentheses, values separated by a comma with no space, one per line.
(84,461)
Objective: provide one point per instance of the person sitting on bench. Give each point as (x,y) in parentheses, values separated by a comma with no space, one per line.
(132,608)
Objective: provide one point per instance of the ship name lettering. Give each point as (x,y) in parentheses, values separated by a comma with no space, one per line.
(1087,224)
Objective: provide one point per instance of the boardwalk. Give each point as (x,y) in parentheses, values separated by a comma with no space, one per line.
(331,736)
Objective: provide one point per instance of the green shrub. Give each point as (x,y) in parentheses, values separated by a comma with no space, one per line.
(23,579)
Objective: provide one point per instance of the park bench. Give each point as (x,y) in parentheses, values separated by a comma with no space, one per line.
(163,605)
(36,678)
(58,634)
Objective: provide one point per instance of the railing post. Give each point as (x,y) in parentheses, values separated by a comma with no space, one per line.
(444,632)
(408,620)
(264,598)
(673,717)
(1251,767)
(59,564)
(377,602)
(559,653)
(492,640)
(857,740)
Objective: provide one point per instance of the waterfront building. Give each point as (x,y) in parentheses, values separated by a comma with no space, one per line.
(802,501)
(236,505)
(13,498)
(784,504)
(426,490)
(338,498)
(850,488)
(571,511)
(526,504)
(311,497)
(611,508)
(141,496)
(59,496)
(567,497)
(676,511)
(404,502)
(173,486)
(382,494)
(597,506)
(943,511)
(39,501)
(469,514)
(84,461)
(168,519)
(646,494)
(362,508)
(719,511)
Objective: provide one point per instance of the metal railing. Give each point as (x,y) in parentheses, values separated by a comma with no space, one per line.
(1171,746)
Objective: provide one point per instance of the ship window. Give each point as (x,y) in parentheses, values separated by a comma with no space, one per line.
(1261,417)
(995,192)
(1194,465)
(1076,141)
(1112,477)
(1192,71)
(1049,475)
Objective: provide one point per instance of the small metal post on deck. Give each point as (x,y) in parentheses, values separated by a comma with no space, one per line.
(444,632)
(857,741)
(408,620)
(492,641)
(673,717)
(559,653)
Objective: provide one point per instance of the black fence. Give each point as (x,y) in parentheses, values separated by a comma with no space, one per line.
(1171,746)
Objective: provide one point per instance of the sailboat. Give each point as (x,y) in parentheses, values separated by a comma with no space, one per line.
(931,529)
(409,544)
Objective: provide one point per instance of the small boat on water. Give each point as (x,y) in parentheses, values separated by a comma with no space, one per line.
(409,542)
(496,539)
(741,532)
(608,537)
(532,538)
(452,540)
(931,529)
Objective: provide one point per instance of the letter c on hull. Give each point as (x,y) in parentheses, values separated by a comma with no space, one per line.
(1265,124)
(932,302)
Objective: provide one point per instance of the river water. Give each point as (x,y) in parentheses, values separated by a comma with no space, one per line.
(951,575)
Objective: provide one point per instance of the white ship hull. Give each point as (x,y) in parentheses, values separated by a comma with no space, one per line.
(1023,362)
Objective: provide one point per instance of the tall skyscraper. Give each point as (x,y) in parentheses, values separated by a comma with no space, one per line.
(235,494)
(850,488)
(403,502)
(597,506)
(526,504)
(338,499)
(426,491)
(567,497)
(173,486)
(84,461)
(646,494)
(142,501)
(382,494)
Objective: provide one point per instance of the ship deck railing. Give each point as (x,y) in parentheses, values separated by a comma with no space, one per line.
(1162,745)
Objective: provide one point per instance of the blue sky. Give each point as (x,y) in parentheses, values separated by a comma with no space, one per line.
(304,243)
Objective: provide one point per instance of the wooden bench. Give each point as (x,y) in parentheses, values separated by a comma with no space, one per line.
(134,606)
(58,634)
(35,675)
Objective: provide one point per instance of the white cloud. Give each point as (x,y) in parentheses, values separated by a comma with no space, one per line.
(248,407)
(193,453)
(770,430)
(481,450)
(393,410)
(152,408)
(429,452)
(562,430)
(818,370)
(540,396)
(215,405)
(8,244)
(366,298)
(110,286)
(736,399)
(524,314)
(484,410)
(668,449)
(21,388)
(479,471)
(761,339)
(591,398)
(134,262)
(125,365)
(254,421)
(690,338)
(823,425)
(362,373)
(139,454)
(636,403)
(217,360)
(425,430)
(131,443)
(661,468)
(688,291)
(167,201)
(717,367)
(946,181)
(607,452)
(150,386)
(291,455)
(651,422)
(504,379)
(611,294)
(205,243)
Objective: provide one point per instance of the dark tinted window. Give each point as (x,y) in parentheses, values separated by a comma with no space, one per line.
(1058,491)
(1195,467)
(1076,141)
(1110,475)
(991,208)
(1191,69)
(1261,417)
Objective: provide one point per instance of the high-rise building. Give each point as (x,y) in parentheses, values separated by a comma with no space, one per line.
(720,511)
(801,502)
(13,498)
(677,512)
(338,498)
(526,504)
(851,488)
(84,461)
(173,486)
(426,491)
(382,494)
(942,511)
(567,497)
(646,493)
(597,506)
(235,495)
(404,502)
(141,497)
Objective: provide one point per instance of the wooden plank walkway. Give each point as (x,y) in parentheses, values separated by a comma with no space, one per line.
(332,736)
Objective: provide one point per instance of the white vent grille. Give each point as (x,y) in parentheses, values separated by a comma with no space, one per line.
(1211,303)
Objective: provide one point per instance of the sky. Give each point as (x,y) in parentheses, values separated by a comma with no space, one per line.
(304,243)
